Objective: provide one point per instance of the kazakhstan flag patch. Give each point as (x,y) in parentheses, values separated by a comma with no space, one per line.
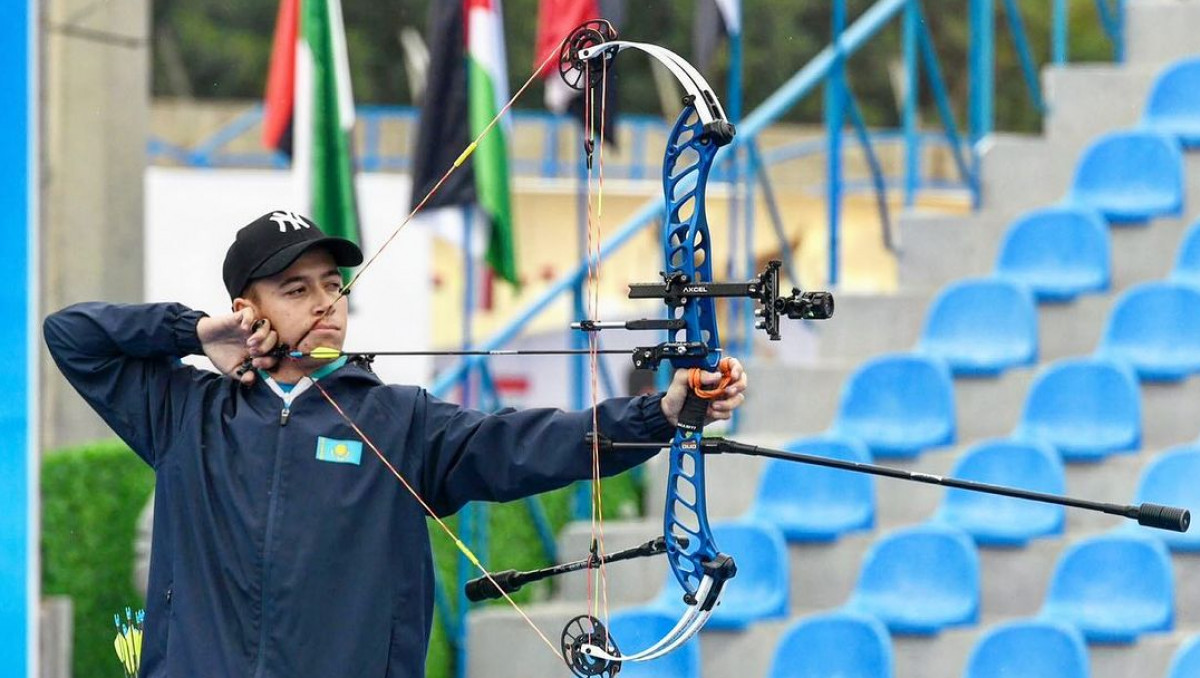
(339,451)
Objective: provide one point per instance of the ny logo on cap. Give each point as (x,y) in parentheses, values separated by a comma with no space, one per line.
(284,218)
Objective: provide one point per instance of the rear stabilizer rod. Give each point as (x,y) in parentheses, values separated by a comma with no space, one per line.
(1151,515)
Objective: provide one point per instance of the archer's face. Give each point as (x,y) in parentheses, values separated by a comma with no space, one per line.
(297,298)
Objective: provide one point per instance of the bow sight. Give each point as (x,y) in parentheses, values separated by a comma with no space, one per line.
(676,289)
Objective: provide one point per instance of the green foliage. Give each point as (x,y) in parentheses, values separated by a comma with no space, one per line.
(221,49)
(91,498)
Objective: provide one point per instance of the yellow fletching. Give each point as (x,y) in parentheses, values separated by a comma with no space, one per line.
(121,644)
(469,554)
(466,152)
(324,353)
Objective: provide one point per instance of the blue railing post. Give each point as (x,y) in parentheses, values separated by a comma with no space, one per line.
(912,90)
(981,62)
(1119,34)
(1060,36)
(468,297)
(740,174)
(835,95)
(464,571)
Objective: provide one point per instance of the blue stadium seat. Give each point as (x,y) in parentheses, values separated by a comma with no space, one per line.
(1187,257)
(814,503)
(1154,327)
(1173,106)
(920,580)
(1186,662)
(841,644)
(636,629)
(898,404)
(1130,177)
(1087,408)
(996,520)
(1057,252)
(1029,648)
(1172,478)
(759,591)
(981,327)
(1113,588)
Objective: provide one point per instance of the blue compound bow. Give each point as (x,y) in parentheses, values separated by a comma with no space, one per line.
(688,291)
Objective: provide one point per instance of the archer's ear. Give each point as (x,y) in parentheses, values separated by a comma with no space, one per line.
(242,302)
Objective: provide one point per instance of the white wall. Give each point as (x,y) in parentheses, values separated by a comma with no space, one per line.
(192,216)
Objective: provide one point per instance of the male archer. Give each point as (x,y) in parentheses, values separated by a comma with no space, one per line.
(282,547)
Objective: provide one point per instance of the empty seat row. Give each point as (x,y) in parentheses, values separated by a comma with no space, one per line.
(1136,175)
(810,503)
(853,645)
(1063,251)
(899,405)
(989,325)
(923,579)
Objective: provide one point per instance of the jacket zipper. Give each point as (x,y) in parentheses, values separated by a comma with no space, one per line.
(284,414)
(267,538)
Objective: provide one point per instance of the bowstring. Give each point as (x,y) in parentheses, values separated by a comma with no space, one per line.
(597,581)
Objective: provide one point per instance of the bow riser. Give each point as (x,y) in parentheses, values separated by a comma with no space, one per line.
(687,163)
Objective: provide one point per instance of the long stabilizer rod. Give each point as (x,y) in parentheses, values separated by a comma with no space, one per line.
(511,581)
(1151,515)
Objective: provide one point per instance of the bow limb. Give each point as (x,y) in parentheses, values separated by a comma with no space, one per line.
(709,108)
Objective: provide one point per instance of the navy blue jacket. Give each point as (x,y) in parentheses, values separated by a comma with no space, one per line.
(270,562)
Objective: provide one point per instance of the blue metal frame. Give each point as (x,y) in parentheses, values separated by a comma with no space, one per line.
(19,577)
(1016,29)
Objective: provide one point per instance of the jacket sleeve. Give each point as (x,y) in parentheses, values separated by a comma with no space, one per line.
(513,454)
(124,361)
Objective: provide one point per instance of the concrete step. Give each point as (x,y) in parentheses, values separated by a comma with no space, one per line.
(865,325)
(1170,413)
(985,407)
(497,632)
(1159,32)
(1087,100)
(939,249)
(943,249)
(1022,172)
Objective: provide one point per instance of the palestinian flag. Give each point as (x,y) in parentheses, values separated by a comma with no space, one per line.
(487,92)
(310,111)
(556,20)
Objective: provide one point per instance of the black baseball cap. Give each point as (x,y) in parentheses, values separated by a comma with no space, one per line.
(270,244)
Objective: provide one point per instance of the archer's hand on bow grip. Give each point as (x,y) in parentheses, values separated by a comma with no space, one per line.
(724,390)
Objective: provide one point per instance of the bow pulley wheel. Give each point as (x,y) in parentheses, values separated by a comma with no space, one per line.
(576,71)
(580,634)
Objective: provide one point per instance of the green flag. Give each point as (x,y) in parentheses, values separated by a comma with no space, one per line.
(324,123)
(487,86)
